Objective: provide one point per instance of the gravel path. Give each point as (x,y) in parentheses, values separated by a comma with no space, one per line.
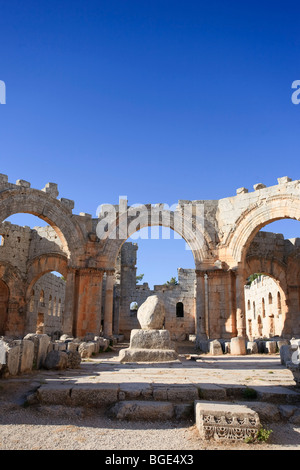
(57,428)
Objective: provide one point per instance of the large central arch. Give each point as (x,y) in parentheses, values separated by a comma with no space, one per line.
(194,234)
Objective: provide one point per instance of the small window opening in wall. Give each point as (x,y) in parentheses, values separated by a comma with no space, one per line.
(133,308)
(179,310)
(1,240)
(270,298)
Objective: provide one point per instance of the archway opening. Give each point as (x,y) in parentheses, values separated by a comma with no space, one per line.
(45,306)
(275,252)
(156,265)
(264,317)
(31,248)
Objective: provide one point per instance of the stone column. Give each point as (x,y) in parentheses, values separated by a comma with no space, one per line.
(109,302)
(89,301)
(70,303)
(200,315)
(240,304)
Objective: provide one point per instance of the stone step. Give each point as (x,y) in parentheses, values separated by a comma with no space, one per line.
(150,410)
(102,395)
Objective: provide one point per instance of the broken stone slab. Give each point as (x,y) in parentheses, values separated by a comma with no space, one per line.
(226,421)
(252,347)
(143,410)
(271,347)
(215,348)
(57,360)
(74,360)
(12,360)
(86,350)
(286,352)
(41,345)
(26,355)
(238,346)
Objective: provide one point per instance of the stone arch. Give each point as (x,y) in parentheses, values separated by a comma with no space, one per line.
(197,238)
(268,307)
(253,219)
(47,208)
(267,266)
(45,264)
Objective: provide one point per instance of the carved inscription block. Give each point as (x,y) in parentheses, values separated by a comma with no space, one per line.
(225,421)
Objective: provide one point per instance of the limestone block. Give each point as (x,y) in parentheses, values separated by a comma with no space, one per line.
(41,345)
(74,360)
(295,369)
(286,352)
(94,395)
(284,179)
(27,356)
(259,186)
(68,203)
(147,355)
(238,346)
(143,410)
(54,394)
(225,421)
(86,349)
(150,339)
(13,358)
(215,347)
(252,347)
(72,347)
(151,313)
(241,191)
(104,343)
(56,360)
(282,342)
(23,183)
(51,188)
(271,347)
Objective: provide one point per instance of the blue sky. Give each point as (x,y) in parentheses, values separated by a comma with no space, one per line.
(156,100)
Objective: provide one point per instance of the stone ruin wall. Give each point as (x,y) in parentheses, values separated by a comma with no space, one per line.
(221,253)
(46,305)
(20,245)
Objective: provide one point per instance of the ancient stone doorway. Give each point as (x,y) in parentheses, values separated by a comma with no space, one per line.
(4,296)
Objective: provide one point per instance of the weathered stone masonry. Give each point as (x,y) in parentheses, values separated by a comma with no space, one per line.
(220,248)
